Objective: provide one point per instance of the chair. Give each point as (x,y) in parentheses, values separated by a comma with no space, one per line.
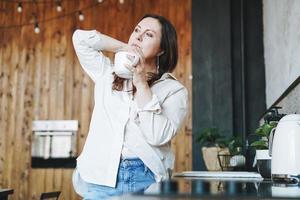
(50,195)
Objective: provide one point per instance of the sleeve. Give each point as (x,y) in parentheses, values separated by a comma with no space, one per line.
(159,123)
(87,45)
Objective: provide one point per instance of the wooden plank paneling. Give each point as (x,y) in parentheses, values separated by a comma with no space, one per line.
(2,147)
(3,115)
(40,78)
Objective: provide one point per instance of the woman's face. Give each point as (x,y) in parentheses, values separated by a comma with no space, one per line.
(147,36)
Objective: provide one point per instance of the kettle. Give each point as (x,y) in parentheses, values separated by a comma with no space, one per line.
(285,150)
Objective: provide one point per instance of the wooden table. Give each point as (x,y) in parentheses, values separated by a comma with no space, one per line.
(4,193)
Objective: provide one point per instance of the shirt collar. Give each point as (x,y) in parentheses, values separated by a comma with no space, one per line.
(167,75)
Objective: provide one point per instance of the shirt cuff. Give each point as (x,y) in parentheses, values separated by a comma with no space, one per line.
(151,106)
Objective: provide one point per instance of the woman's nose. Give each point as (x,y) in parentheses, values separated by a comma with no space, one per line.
(140,37)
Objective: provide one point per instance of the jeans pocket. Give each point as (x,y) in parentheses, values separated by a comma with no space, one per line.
(149,173)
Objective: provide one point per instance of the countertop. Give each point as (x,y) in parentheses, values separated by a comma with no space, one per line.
(214,188)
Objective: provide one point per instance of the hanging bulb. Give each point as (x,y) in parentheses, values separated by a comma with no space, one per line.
(121,1)
(58,6)
(81,16)
(36,28)
(100,1)
(20,8)
(36,24)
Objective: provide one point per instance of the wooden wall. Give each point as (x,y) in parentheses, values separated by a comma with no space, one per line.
(40,78)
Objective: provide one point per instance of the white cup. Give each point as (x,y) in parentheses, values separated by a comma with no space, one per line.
(123,58)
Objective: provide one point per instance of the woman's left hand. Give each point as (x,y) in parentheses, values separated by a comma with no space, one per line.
(143,93)
(139,72)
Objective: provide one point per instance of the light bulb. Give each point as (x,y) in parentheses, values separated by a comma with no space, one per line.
(121,1)
(37,28)
(20,8)
(81,16)
(58,8)
(100,1)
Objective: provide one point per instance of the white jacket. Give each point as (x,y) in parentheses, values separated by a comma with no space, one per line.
(155,124)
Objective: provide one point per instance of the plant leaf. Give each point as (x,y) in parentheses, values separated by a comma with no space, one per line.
(260,144)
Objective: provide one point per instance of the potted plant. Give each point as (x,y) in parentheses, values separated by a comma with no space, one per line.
(216,148)
(235,145)
(261,145)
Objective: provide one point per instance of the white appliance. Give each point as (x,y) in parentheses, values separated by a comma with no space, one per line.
(285,149)
(54,138)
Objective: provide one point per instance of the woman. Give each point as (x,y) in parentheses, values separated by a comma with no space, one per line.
(128,146)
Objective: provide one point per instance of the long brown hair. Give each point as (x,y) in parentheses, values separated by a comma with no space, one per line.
(167,61)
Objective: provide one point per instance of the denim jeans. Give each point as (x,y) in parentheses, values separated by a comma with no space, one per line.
(133,176)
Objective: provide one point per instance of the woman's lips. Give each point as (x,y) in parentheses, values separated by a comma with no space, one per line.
(135,45)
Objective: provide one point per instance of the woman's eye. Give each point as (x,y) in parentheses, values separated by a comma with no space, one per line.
(149,34)
(136,30)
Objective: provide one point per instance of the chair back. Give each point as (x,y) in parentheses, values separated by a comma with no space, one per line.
(50,195)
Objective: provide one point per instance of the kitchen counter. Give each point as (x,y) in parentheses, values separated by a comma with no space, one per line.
(205,188)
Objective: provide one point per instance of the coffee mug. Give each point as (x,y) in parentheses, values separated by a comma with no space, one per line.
(123,58)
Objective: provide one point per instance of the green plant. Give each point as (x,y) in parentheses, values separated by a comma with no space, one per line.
(263,133)
(211,137)
(235,145)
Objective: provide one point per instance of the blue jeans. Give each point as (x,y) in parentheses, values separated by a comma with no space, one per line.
(133,176)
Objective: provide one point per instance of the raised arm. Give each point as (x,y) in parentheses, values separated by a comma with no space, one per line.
(88,45)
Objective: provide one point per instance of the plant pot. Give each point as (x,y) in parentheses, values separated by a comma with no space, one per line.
(211,160)
(263,163)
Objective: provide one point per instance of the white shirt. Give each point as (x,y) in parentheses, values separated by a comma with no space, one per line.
(148,130)
(127,151)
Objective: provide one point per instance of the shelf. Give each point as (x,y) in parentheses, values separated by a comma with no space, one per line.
(37,162)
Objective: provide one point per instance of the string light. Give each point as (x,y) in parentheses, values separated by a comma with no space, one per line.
(31,1)
(100,1)
(81,16)
(36,25)
(121,1)
(58,6)
(36,28)
(20,8)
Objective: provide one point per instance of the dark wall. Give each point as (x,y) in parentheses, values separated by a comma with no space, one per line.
(228,68)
